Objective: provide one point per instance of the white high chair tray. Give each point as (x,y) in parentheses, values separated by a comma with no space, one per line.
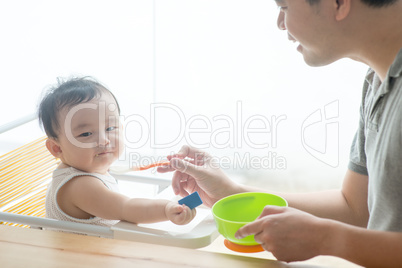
(200,232)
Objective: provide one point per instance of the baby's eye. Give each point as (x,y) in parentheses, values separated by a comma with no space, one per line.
(111,128)
(85,134)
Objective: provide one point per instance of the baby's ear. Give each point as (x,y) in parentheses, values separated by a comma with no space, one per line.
(53,146)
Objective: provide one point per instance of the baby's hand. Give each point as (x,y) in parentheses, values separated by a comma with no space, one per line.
(179,214)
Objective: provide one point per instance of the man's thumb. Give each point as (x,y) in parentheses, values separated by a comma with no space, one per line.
(184,166)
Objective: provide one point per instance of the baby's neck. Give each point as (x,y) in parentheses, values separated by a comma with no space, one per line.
(64,165)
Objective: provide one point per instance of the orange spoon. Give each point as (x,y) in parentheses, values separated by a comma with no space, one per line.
(124,169)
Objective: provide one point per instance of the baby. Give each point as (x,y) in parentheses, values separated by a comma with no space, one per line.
(81,119)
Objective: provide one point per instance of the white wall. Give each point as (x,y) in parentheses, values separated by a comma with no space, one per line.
(201,67)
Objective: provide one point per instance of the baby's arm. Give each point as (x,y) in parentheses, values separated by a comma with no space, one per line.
(84,197)
(142,210)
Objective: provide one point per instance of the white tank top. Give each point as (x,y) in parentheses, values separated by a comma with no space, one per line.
(61,177)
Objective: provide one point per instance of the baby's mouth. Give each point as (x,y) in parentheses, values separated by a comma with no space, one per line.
(103,153)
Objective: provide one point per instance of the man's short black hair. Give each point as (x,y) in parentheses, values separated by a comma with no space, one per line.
(372,3)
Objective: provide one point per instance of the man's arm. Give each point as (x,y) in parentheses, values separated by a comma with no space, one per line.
(368,248)
(348,205)
(293,235)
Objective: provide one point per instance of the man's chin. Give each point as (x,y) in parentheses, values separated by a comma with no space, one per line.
(316,61)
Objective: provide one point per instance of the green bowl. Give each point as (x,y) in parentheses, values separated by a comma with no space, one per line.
(234,211)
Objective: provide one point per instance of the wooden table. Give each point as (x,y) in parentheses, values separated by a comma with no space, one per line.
(21,247)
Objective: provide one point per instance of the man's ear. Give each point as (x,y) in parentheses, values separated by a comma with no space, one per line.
(53,147)
(342,9)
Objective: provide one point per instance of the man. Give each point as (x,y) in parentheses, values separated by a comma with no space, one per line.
(362,222)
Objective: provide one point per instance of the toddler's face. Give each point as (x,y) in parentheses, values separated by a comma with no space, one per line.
(90,135)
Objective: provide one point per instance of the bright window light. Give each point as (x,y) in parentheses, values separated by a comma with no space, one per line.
(218,75)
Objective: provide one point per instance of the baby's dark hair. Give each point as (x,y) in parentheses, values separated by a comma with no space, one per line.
(67,94)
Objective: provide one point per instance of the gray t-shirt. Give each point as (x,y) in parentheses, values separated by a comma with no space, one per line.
(377,147)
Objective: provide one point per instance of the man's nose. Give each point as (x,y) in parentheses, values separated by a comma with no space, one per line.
(281,21)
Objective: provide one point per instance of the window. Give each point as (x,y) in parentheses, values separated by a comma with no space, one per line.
(214,74)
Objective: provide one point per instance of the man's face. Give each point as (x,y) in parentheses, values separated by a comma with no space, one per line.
(312,26)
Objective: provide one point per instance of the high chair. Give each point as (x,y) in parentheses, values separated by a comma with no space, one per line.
(24,175)
(26,171)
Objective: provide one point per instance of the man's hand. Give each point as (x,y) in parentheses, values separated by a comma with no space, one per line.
(289,234)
